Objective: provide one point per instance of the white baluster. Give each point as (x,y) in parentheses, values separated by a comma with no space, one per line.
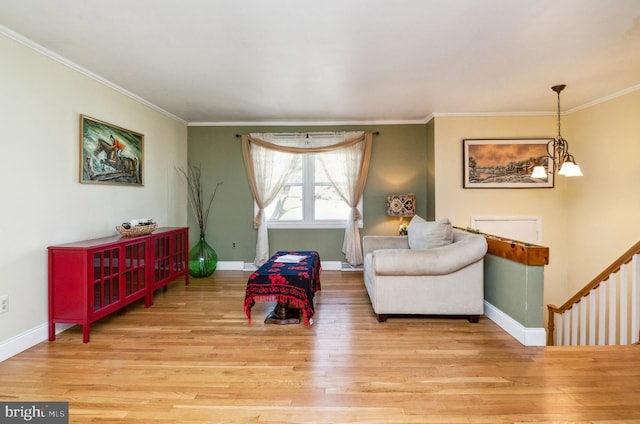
(575,319)
(612,309)
(559,329)
(602,315)
(624,293)
(592,316)
(583,321)
(567,328)
(635,300)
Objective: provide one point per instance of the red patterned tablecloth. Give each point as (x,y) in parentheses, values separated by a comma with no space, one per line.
(292,283)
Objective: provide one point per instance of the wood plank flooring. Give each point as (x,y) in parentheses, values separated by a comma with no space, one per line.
(192,358)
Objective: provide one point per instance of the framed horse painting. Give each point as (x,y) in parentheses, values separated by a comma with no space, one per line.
(110,154)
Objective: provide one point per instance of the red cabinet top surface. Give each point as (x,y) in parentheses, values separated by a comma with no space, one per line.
(105,241)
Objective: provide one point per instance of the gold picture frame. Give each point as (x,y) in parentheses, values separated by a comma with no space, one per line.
(110,154)
(505,163)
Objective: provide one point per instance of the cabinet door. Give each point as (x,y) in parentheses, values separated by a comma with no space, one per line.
(161,258)
(170,255)
(105,287)
(135,268)
(180,252)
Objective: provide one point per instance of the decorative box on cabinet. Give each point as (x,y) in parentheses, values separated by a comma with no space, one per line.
(91,279)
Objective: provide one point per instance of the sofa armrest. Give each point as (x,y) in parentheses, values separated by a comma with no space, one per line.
(436,261)
(371,243)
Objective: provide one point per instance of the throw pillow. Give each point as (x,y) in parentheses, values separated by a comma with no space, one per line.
(428,234)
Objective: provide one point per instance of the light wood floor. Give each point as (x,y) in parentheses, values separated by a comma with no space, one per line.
(192,358)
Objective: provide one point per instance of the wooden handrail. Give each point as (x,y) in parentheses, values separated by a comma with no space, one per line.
(514,250)
(603,276)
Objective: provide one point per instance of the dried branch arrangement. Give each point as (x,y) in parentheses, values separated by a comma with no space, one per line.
(199,205)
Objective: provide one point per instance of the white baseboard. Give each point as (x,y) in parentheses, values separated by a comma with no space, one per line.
(331,265)
(28,339)
(231,265)
(526,336)
(242,266)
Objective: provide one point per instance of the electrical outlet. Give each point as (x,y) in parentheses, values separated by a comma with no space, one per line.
(4,304)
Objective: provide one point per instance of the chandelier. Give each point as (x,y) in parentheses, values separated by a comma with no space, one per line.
(561,160)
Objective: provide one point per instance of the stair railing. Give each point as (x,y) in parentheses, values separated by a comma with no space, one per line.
(604,312)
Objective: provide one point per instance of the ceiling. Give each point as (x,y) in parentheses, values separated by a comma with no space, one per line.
(332,61)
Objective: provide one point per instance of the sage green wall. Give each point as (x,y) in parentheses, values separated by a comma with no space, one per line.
(431,171)
(398,165)
(515,289)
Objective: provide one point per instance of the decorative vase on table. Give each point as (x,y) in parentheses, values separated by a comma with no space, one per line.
(202,259)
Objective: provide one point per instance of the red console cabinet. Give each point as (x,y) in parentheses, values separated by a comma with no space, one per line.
(92,278)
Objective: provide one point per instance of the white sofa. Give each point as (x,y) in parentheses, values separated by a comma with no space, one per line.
(444,276)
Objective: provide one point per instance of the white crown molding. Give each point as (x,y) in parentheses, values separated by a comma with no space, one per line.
(302,123)
(66,62)
(566,112)
(605,98)
(488,114)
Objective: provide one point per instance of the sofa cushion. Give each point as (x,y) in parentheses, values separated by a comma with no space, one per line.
(428,234)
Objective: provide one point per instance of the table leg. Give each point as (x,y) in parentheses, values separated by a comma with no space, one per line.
(283,314)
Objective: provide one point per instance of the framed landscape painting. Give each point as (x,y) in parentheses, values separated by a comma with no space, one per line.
(110,154)
(505,163)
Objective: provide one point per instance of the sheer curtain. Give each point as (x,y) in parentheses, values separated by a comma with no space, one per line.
(265,180)
(353,149)
(347,170)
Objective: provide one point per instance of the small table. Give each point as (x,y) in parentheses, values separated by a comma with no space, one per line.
(291,284)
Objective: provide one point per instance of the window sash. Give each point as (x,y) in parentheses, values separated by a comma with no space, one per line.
(309,204)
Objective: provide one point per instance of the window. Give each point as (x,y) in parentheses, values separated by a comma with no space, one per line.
(309,199)
(310,178)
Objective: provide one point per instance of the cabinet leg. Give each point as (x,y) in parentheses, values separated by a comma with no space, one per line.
(85,333)
(52,331)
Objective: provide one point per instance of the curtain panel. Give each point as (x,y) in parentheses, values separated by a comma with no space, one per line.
(352,149)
